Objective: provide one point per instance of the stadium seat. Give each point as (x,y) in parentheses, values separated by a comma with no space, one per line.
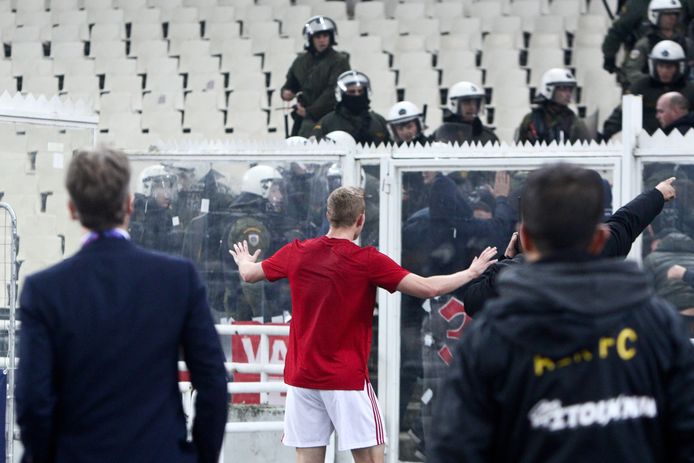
(206,121)
(141,32)
(66,33)
(142,16)
(551,24)
(97,5)
(217,14)
(546,40)
(23,34)
(566,7)
(220,35)
(231,62)
(111,49)
(165,122)
(198,64)
(362,44)
(123,83)
(32,67)
(30,6)
(157,65)
(486,11)
(410,11)
(453,75)
(346,30)
(461,41)
(40,85)
(82,84)
(107,32)
(149,49)
(158,100)
(251,124)
(180,15)
(205,81)
(500,58)
(369,10)
(62,5)
(379,27)
(28,50)
(74,67)
(542,59)
(446,59)
(507,96)
(33,18)
(69,17)
(412,59)
(421,78)
(496,77)
(67,50)
(119,102)
(377,60)
(168,4)
(254,13)
(109,16)
(337,11)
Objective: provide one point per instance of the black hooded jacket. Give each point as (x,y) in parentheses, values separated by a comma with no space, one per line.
(625,226)
(576,361)
(683,124)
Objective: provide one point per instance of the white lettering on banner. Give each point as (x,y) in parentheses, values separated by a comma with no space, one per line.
(551,415)
(278,351)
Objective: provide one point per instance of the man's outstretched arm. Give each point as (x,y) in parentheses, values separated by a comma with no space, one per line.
(250,270)
(426,287)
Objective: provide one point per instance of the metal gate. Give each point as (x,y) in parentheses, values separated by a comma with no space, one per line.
(8,307)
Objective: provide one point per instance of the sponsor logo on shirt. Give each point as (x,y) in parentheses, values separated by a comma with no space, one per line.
(552,416)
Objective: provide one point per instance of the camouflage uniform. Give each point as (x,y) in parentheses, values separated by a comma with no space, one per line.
(550,122)
(367,127)
(455,130)
(635,65)
(650,90)
(315,75)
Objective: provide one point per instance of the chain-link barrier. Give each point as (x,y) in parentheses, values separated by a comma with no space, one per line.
(8,305)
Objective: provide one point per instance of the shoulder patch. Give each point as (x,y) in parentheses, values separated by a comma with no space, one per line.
(635,53)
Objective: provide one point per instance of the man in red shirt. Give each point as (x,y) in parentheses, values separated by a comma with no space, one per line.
(333,285)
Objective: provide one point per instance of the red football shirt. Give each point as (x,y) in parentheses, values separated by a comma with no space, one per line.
(333,284)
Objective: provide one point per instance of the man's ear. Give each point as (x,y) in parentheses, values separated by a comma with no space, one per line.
(526,240)
(130,204)
(74,215)
(600,237)
(361,219)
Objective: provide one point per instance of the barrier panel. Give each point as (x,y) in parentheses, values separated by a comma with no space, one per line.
(8,309)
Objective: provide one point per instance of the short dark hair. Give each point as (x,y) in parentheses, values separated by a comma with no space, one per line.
(98,184)
(561,206)
(345,205)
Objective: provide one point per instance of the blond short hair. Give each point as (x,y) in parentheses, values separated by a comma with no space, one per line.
(345,205)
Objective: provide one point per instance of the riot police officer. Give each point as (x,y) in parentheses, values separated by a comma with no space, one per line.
(668,72)
(462,123)
(257,216)
(152,223)
(629,28)
(352,114)
(312,75)
(406,123)
(664,17)
(552,119)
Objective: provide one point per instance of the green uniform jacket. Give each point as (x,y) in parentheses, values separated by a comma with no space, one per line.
(675,248)
(635,65)
(341,119)
(550,122)
(460,132)
(316,76)
(650,90)
(627,29)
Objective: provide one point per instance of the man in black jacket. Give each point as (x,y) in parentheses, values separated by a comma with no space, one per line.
(624,226)
(672,112)
(577,360)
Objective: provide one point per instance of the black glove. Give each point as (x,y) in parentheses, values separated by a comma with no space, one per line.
(609,64)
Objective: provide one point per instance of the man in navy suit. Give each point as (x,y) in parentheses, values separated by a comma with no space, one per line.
(101,336)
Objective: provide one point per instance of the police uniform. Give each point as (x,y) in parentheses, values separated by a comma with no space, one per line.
(635,65)
(314,75)
(365,127)
(456,130)
(629,27)
(550,122)
(650,90)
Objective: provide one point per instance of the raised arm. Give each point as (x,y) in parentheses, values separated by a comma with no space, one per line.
(250,270)
(437,285)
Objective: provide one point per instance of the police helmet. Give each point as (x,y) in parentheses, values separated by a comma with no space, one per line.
(657,7)
(553,78)
(318,24)
(259,179)
(153,176)
(341,138)
(667,51)
(402,113)
(464,91)
(350,78)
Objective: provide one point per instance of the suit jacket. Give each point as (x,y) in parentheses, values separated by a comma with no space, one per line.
(100,340)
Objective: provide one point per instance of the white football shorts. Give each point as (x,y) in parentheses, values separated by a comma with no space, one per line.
(311,416)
